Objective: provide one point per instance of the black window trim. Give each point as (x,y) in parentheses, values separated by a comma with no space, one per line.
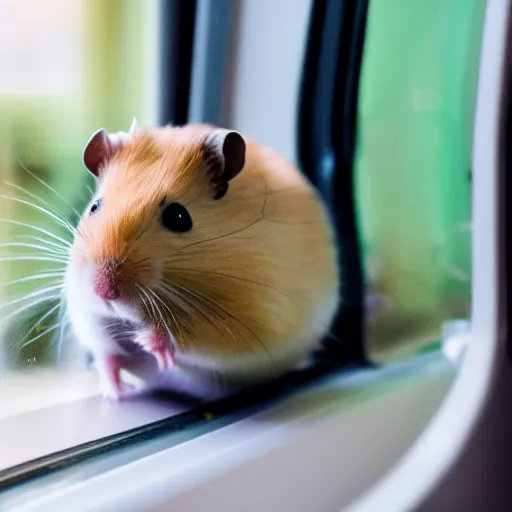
(177,29)
(326,147)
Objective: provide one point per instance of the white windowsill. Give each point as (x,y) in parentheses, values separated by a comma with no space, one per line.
(24,391)
(343,407)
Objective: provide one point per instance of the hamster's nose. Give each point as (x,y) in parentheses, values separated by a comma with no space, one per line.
(106,285)
(106,290)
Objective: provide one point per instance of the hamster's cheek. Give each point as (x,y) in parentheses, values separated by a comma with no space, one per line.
(80,289)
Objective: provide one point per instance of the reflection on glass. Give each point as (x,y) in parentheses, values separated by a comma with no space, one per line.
(413,167)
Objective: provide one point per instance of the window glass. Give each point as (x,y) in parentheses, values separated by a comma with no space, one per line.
(413,167)
(86,65)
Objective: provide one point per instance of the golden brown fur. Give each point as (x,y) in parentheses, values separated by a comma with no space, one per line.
(253,286)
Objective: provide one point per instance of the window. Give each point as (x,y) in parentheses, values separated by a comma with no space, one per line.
(375,102)
(61,78)
(417,97)
(397,170)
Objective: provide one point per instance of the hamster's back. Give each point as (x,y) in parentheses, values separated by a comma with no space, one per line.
(284,255)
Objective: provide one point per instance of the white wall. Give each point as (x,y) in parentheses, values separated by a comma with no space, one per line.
(267,58)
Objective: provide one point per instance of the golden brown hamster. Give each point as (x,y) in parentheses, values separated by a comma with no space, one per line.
(204,261)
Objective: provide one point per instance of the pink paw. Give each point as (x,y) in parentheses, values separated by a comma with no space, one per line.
(164,358)
(157,343)
(112,387)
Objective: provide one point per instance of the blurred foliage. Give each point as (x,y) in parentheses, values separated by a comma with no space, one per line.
(85,61)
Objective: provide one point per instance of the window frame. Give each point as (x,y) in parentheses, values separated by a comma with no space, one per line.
(326,147)
(455,421)
(190,477)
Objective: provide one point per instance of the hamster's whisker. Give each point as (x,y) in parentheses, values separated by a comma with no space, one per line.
(47,212)
(161,315)
(207,312)
(153,307)
(32,304)
(32,295)
(143,298)
(42,248)
(178,299)
(144,304)
(27,257)
(157,297)
(148,303)
(172,294)
(55,245)
(36,197)
(37,228)
(50,188)
(35,277)
(206,300)
(171,290)
(217,307)
(164,324)
(230,276)
(41,319)
(39,253)
(182,323)
(35,338)
(156,310)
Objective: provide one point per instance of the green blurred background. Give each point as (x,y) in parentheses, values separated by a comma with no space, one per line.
(413,164)
(69,67)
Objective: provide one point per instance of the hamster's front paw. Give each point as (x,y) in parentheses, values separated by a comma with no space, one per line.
(112,387)
(157,343)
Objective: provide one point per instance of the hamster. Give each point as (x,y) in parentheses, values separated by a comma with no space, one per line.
(204,262)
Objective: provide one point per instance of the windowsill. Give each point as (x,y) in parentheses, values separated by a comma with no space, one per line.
(346,394)
(68,411)
(74,417)
(24,391)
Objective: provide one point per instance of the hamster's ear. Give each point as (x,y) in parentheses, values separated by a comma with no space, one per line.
(100,149)
(224,157)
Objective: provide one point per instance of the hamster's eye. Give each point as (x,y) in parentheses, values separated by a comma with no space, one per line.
(95,206)
(176,218)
